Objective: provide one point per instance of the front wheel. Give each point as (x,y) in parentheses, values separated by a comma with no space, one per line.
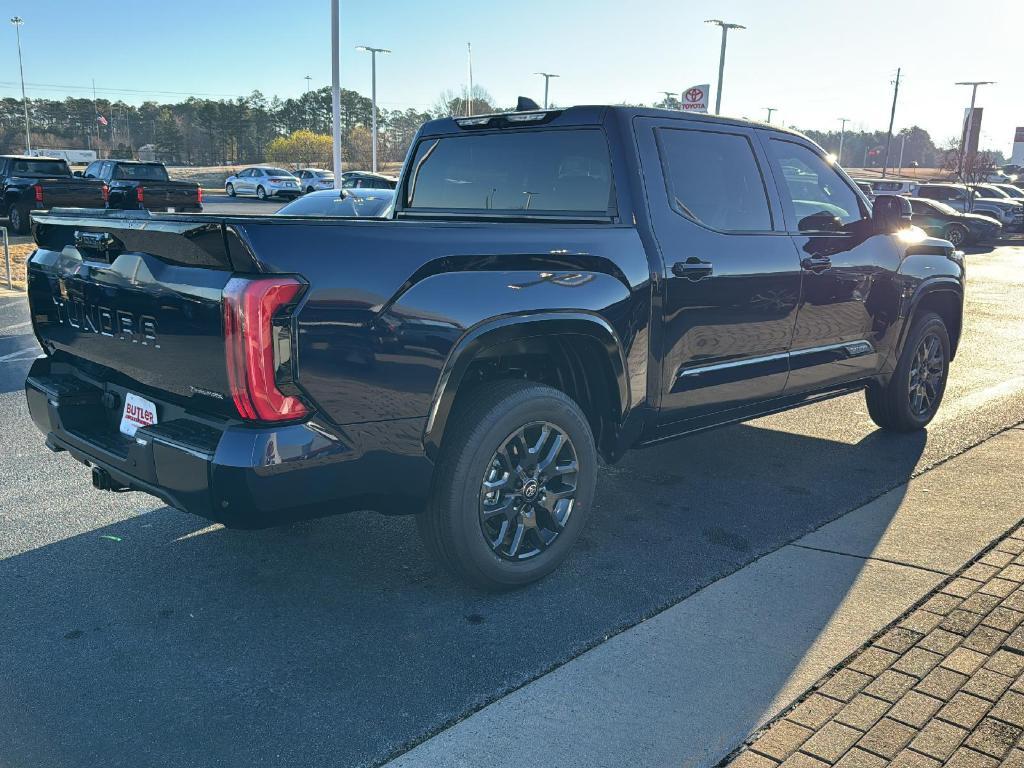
(956,234)
(261,193)
(19,218)
(231,190)
(912,395)
(513,485)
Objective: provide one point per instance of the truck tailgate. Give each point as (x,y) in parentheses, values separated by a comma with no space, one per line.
(139,301)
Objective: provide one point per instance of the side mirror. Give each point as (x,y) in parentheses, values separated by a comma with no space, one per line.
(78,173)
(891,213)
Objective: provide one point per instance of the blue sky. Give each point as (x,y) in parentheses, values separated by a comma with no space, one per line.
(813,61)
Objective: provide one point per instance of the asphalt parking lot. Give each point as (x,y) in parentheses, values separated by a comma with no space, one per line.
(138,635)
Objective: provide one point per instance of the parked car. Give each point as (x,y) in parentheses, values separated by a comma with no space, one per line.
(134,185)
(1009,213)
(367,180)
(894,187)
(313,179)
(35,183)
(1010,190)
(264,182)
(990,191)
(368,203)
(865,187)
(939,220)
(550,287)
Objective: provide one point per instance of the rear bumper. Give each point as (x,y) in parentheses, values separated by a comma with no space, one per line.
(235,474)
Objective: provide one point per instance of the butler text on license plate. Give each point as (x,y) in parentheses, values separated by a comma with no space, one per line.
(138,412)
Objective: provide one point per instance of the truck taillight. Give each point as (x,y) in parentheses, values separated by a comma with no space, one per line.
(255,347)
(199,195)
(38,190)
(106,194)
(139,194)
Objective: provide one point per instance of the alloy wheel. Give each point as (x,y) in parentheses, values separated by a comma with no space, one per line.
(528,491)
(926,374)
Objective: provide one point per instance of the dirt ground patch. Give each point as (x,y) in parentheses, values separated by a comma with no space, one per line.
(19,254)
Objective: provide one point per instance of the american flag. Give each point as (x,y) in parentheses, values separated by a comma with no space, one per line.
(101,119)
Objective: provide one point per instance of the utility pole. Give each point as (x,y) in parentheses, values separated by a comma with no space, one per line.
(336,93)
(17,21)
(966,136)
(770,110)
(373,90)
(842,135)
(892,119)
(668,97)
(96,120)
(721,58)
(547,79)
(903,145)
(469,66)
(309,123)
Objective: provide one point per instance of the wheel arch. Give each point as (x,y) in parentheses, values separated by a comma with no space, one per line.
(561,348)
(945,297)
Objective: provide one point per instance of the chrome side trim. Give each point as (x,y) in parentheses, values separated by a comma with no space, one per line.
(731,364)
(857,348)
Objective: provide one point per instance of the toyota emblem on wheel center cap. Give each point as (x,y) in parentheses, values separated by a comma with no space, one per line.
(530,489)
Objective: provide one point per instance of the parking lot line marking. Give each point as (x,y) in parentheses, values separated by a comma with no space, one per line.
(26,324)
(12,355)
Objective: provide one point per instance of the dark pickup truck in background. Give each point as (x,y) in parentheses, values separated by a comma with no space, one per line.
(136,185)
(31,183)
(550,289)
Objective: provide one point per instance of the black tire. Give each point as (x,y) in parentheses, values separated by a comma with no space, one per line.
(261,193)
(19,218)
(892,406)
(956,234)
(453,527)
(309,190)
(230,190)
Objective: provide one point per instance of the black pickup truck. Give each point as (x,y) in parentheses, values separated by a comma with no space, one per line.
(135,186)
(31,183)
(551,289)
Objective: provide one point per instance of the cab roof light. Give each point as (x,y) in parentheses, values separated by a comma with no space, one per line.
(525,117)
(467,122)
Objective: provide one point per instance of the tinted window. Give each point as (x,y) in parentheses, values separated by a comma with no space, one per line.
(331,204)
(144,172)
(39,168)
(817,198)
(92,170)
(714,179)
(513,171)
(276,172)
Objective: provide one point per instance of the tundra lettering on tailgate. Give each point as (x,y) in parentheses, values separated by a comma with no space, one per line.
(105,321)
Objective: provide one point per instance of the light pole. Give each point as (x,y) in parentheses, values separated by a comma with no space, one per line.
(668,97)
(373,92)
(547,79)
(17,21)
(336,94)
(721,59)
(842,135)
(770,110)
(966,137)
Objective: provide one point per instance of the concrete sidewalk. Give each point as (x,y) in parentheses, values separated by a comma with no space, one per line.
(690,684)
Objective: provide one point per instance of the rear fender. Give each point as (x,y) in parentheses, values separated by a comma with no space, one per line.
(502,330)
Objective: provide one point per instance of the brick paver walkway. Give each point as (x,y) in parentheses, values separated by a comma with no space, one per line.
(943,685)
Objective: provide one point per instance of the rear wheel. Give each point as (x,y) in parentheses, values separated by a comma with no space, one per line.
(912,396)
(19,218)
(956,234)
(513,485)
(231,190)
(261,193)
(309,190)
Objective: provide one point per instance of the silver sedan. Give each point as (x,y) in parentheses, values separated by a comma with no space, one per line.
(263,181)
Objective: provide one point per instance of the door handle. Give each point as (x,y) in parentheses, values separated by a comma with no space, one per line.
(693,269)
(816,263)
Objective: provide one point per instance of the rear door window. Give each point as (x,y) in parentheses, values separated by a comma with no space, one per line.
(714,179)
(554,171)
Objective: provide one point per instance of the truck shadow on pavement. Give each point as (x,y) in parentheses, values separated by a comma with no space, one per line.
(160,640)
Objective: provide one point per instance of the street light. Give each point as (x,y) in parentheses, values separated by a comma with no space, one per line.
(966,137)
(373,68)
(669,95)
(842,135)
(721,59)
(17,21)
(547,79)
(770,110)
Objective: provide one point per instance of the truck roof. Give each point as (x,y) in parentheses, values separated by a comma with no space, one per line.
(592,115)
(31,157)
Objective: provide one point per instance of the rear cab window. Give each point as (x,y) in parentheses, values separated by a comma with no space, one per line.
(141,172)
(39,168)
(512,172)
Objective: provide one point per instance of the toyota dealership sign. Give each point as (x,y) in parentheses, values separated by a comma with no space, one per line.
(695,98)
